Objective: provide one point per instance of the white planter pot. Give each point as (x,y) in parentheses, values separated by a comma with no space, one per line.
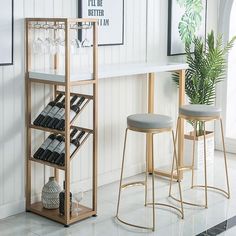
(199,149)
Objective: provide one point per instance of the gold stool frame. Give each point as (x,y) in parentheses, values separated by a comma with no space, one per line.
(182,168)
(144,183)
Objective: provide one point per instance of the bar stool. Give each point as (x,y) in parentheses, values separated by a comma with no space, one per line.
(202,113)
(149,124)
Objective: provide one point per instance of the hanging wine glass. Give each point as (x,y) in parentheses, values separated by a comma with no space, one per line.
(49,46)
(75,45)
(86,42)
(59,42)
(38,46)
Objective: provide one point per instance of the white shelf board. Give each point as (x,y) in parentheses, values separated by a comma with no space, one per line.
(109,71)
(58,76)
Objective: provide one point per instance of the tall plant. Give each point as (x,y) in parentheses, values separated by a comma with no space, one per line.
(207,67)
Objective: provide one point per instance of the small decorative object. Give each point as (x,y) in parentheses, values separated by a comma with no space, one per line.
(186,19)
(110,15)
(77,198)
(50,194)
(62,201)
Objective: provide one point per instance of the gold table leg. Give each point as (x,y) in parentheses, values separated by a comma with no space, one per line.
(151,85)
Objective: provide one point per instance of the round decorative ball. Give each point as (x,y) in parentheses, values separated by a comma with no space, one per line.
(50,194)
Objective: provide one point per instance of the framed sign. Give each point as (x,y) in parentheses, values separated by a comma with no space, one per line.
(184,22)
(110,15)
(6,32)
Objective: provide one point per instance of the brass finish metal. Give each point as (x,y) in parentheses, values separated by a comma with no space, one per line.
(151,85)
(181,125)
(67,85)
(205,186)
(144,183)
(133,184)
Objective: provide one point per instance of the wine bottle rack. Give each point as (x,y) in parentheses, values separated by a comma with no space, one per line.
(88,98)
(87,134)
(61,83)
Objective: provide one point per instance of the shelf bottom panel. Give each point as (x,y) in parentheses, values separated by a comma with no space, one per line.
(54,215)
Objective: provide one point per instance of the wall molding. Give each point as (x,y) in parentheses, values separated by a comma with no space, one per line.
(103,179)
(12,208)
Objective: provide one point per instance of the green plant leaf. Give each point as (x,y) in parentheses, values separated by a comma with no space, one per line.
(207,67)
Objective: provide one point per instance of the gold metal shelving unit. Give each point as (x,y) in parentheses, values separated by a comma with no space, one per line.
(66,25)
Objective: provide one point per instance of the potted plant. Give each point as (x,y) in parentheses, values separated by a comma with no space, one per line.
(207,67)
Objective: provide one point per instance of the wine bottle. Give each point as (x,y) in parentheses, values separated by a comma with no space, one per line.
(46,110)
(43,147)
(60,147)
(73,112)
(51,148)
(62,199)
(73,145)
(52,113)
(60,114)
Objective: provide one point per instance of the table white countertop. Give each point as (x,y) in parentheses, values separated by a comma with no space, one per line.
(108,71)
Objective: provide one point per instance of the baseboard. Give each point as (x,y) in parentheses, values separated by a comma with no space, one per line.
(103,179)
(109,177)
(229,145)
(12,209)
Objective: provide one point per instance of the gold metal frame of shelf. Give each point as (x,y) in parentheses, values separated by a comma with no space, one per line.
(58,131)
(59,83)
(47,163)
(54,214)
(71,157)
(67,84)
(79,94)
(50,82)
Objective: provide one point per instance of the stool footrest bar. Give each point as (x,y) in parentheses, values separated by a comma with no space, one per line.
(201,186)
(133,225)
(214,188)
(167,205)
(133,184)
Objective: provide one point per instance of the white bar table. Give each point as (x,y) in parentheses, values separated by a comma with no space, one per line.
(130,69)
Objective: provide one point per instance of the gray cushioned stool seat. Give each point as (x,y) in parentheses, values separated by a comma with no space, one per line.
(149,121)
(199,110)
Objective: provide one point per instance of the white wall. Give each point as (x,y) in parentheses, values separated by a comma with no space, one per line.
(118,97)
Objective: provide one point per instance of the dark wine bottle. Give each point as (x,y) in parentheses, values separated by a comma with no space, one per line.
(62,199)
(52,113)
(51,148)
(46,110)
(73,145)
(60,114)
(44,146)
(60,147)
(73,112)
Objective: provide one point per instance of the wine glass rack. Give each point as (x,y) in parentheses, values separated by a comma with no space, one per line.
(62,84)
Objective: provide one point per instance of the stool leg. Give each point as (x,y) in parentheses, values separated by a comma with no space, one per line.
(225,159)
(122,170)
(205,164)
(193,155)
(177,169)
(173,160)
(153,188)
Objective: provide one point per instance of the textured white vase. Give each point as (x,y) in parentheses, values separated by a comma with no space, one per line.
(50,194)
